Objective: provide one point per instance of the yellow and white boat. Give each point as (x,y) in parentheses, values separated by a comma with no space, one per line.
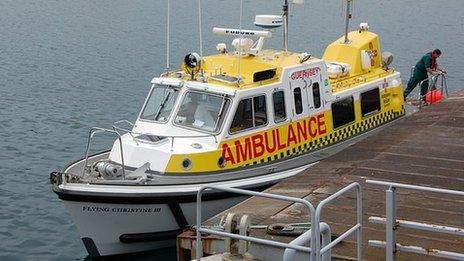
(245,118)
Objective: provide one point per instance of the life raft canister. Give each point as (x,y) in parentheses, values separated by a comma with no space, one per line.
(337,69)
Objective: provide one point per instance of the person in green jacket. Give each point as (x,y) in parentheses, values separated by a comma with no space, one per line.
(427,64)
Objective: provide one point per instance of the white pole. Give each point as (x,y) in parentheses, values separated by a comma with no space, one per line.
(167,37)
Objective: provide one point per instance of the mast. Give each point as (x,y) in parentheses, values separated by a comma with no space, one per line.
(285,16)
(347,20)
(168,18)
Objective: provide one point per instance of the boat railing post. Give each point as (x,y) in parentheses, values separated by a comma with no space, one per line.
(172,143)
(92,132)
(89,138)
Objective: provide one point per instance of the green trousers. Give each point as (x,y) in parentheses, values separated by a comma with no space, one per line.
(416,78)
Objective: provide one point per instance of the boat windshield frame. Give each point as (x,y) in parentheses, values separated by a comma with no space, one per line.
(221,116)
(175,90)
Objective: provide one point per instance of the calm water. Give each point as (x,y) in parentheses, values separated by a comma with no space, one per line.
(66,66)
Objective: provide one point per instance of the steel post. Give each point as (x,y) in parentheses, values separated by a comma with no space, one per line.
(359,214)
(198,245)
(390,229)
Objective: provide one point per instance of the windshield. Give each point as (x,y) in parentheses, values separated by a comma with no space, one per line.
(202,111)
(160,103)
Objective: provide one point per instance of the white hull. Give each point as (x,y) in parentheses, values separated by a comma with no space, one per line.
(106,224)
(102,224)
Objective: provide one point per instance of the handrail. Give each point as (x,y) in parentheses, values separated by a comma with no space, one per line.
(93,131)
(432,85)
(116,128)
(356,228)
(392,223)
(415,187)
(199,229)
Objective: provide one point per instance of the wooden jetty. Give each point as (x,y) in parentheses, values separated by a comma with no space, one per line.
(426,149)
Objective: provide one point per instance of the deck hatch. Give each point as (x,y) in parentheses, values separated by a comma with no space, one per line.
(225,78)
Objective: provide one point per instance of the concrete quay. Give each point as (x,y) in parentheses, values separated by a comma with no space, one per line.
(425,148)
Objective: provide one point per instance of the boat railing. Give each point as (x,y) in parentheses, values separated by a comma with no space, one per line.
(92,132)
(173,137)
(317,251)
(392,224)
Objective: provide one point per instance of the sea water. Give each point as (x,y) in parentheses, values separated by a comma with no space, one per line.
(66,66)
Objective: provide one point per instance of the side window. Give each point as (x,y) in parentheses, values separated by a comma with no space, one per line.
(370,102)
(343,112)
(279,106)
(260,116)
(298,100)
(316,95)
(250,113)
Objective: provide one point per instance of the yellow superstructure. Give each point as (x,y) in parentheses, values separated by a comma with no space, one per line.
(301,134)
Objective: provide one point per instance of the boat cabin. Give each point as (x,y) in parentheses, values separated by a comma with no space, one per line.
(236,109)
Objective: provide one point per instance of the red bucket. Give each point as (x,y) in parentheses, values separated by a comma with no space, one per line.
(433,96)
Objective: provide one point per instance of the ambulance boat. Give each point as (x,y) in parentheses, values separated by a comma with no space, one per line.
(243,118)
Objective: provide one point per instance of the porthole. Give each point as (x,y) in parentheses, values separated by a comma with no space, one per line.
(222,162)
(186,164)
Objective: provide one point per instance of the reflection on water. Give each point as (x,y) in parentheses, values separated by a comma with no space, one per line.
(66,66)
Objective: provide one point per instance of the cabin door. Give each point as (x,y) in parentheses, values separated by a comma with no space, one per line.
(313,91)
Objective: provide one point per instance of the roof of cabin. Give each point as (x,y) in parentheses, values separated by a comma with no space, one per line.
(255,70)
(266,67)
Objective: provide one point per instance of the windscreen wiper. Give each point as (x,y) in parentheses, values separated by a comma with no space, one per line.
(165,99)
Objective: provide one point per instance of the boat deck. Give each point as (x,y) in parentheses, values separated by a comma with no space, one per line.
(426,148)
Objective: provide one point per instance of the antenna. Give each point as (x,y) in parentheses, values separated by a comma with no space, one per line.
(285,16)
(167,37)
(199,27)
(347,20)
(241,39)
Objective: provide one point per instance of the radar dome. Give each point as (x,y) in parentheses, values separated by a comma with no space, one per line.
(268,21)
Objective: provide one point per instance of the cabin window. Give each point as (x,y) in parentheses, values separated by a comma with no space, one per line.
(316,95)
(264,75)
(343,112)
(298,100)
(160,103)
(370,102)
(250,113)
(278,99)
(203,111)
